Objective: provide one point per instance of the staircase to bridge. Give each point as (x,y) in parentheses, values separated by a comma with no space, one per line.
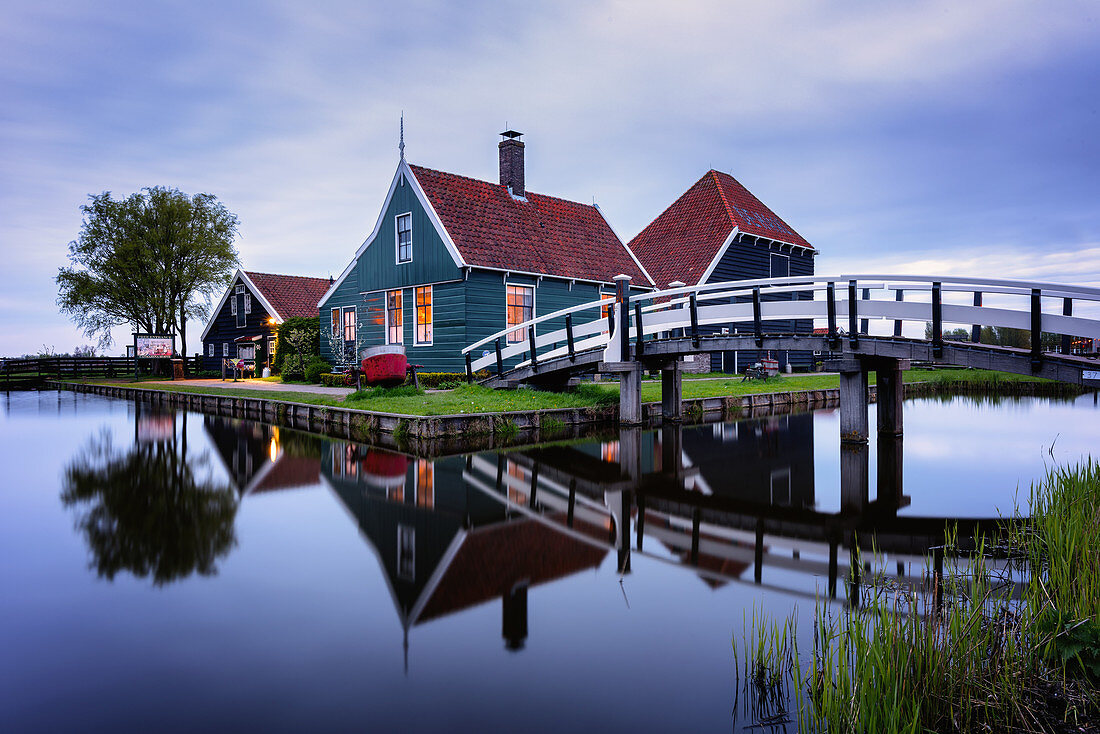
(630,334)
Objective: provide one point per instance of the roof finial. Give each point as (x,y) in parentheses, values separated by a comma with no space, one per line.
(401,145)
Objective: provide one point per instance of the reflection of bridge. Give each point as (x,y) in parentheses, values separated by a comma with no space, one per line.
(654,331)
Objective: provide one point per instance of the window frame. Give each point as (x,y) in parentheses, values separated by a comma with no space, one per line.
(225,350)
(210,349)
(400,310)
(353,310)
(397,238)
(431,316)
(521,335)
(335,322)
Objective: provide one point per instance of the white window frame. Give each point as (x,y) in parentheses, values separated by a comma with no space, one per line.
(225,349)
(524,337)
(397,238)
(344,324)
(416,317)
(400,309)
(210,349)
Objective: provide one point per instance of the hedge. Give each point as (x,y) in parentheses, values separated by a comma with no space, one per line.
(283,347)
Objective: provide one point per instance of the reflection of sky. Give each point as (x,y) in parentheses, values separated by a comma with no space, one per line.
(298,629)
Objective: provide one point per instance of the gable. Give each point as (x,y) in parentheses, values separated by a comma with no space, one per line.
(375,265)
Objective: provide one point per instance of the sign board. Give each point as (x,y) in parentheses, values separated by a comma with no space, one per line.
(149,346)
(1090,375)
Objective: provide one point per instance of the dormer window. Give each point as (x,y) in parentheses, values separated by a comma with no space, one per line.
(404,238)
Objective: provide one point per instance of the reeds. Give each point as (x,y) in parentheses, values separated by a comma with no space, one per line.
(961,653)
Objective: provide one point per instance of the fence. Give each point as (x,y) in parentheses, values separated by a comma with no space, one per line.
(26,373)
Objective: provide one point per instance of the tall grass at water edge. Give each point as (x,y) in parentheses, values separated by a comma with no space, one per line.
(959,653)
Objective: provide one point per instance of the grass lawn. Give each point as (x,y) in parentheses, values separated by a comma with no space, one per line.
(477,399)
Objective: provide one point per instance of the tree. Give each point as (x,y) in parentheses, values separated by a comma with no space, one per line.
(152,260)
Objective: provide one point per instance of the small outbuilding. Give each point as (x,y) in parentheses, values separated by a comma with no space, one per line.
(243,324)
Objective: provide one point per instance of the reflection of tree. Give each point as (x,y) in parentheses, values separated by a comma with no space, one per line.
(145,511)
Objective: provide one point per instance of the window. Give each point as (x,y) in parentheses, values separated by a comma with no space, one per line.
(335,323)
(404,238)
(605,309)
(233,306)
(248,303)
(225,349)
(780,266)
(210,349)
(424,315)
(521,307)
(393,318)
(425,483)
(349,324)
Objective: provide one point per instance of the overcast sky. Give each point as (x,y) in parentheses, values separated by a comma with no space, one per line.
(938,137)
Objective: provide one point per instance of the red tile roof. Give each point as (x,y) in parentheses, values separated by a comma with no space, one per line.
(543,234)
(686,237)
(290,295)
(493,560)
(289,472)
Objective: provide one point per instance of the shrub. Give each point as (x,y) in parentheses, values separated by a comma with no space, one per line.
(314,369)
(306,342)
(332,379)
(447,380)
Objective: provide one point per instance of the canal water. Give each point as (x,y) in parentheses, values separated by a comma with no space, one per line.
(172,571)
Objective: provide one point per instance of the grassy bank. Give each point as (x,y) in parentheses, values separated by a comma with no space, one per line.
(477,399)
(962,656)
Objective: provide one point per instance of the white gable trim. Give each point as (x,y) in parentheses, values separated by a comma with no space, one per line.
(625,246)
(402,170)
(721,253)
(240,274)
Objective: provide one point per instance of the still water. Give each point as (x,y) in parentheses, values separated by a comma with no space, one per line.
(171,571)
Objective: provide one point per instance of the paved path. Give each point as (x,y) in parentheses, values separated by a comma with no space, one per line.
(257,385)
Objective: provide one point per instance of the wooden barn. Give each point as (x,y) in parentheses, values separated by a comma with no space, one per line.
(717,230)
(243,324)
(452,260)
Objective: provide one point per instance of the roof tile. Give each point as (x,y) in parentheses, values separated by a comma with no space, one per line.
(291,295)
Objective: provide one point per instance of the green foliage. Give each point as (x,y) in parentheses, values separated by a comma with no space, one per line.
(447,380)
(152,260)
(314,368)
(305,342)
(332,379)
(373,393)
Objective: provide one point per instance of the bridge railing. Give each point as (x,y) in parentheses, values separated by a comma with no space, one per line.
(845,303)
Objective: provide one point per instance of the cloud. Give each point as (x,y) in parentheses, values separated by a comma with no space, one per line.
(887,128)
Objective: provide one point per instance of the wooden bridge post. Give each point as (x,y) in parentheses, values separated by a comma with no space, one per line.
(889,450)
(891,393)
(1036,329)
(672,393)
(976,329)
(630,393)
(622,309)
(1067,340)
(898,296)
(853,399)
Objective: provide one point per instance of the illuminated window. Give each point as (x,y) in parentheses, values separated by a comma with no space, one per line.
(521,307)
(349,324)
(425,483)
(404,238)
(393,318)
(424,315)
(335,323)
(605,310)
(609,452)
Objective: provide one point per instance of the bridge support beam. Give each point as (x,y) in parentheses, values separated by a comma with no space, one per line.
(853,401)
(630,390)
(891,393)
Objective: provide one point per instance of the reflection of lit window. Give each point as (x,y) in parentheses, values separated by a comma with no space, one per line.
(516,494)
(396,493)
(425,483)
(406,552)
(351,468)
(609,452)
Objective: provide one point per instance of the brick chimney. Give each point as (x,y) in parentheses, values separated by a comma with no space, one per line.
(511,162)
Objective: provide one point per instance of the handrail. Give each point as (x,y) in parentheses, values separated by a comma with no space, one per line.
(532,322)
(1083,291)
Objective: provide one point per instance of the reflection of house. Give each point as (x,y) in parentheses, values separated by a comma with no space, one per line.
(243,323)
(443,545)
(262,458)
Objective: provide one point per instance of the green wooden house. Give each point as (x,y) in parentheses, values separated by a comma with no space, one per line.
(452,260)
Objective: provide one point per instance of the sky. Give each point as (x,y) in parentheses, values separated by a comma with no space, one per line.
(909,137)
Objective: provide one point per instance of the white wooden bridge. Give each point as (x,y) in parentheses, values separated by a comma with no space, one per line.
(628,334)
